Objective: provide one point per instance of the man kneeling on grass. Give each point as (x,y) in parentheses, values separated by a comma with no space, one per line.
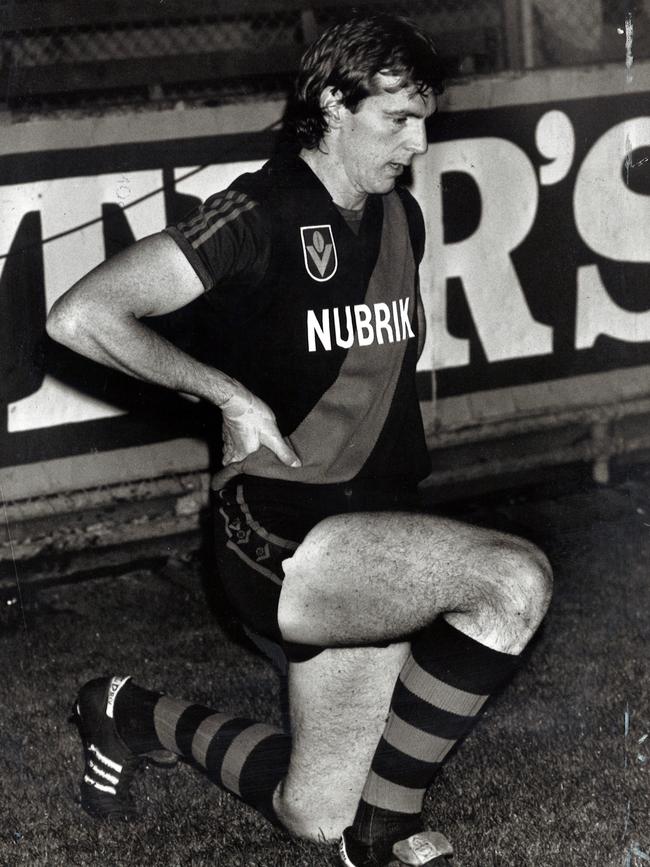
(394,627)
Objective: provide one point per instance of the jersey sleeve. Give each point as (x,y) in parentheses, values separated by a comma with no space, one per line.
(226,240)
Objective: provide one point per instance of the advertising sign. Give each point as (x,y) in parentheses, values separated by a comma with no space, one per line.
(536,269)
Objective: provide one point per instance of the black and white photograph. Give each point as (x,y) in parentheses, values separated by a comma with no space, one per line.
(325,433)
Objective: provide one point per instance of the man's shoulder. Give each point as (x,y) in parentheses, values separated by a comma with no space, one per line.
(277,177)
(239,209)
(253,186)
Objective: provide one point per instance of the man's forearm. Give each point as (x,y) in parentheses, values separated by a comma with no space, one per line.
(121,341)
(125,344)
(99,317)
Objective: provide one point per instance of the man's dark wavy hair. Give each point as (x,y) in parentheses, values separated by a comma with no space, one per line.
(348,56)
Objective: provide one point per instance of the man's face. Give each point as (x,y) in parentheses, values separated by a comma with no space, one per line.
(382,136)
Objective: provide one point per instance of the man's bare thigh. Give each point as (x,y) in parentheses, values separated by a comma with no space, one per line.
(363,577)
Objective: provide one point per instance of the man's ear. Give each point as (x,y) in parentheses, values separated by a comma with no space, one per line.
(331,102)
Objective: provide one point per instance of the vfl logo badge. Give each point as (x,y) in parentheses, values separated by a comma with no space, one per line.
(319,251)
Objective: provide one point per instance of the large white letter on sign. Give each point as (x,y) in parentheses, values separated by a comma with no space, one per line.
(508,187)
(65,204)
(598,314)
(612,219)
(615,222)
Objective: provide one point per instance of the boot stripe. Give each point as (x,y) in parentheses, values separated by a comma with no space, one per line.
(97,770)
(102,788)
(114,766)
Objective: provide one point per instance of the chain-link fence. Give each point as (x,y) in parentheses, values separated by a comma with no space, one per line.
(558,33)
(68,50)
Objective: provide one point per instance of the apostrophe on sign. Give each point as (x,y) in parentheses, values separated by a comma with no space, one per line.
(555,140)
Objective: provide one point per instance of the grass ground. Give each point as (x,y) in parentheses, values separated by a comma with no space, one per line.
(557,774)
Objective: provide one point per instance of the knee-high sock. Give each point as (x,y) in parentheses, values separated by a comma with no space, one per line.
(240,755)
(437,700)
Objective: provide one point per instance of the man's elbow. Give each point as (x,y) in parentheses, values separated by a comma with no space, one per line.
(63,322)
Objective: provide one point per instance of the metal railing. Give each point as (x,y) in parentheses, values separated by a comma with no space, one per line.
(71,50)
(77,50)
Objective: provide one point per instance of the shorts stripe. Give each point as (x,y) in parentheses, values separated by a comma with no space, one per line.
(226,521)
(253,565)
(259,529)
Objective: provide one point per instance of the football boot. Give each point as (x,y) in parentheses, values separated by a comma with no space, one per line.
(424,849)
(109,764)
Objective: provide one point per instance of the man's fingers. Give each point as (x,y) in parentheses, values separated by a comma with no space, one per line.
(283,450)
(220,479)
(230,456)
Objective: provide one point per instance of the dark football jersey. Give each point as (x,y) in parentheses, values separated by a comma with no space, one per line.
(318,320)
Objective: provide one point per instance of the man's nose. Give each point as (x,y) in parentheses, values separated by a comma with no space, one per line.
(418,142)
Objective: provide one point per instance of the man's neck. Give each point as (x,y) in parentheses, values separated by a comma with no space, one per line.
(328,171)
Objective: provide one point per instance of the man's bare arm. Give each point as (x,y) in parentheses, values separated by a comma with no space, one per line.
(99,317)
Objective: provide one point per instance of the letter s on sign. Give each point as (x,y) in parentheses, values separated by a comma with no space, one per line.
(613,221)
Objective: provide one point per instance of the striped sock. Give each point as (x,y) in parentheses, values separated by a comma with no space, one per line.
(436,702)
(240,755)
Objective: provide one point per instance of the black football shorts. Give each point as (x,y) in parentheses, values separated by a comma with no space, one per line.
(259,523)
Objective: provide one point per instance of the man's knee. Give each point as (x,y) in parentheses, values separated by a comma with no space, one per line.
(508,595)
(522,582)
(319,820)
(534,581)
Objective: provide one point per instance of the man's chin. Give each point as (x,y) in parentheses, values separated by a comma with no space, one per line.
(386,186)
